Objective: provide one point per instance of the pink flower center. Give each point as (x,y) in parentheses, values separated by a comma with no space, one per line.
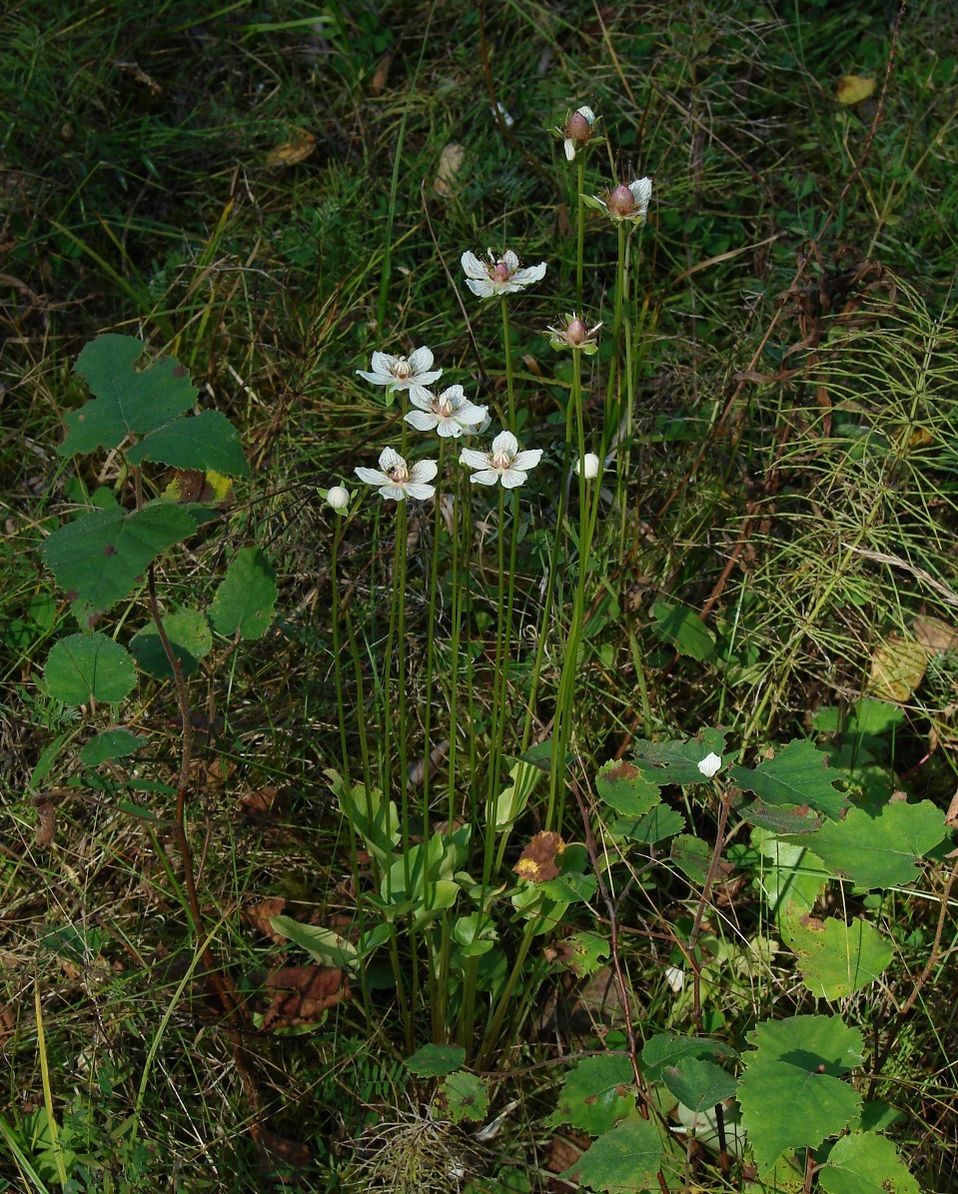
(442,407)
(402,370)
(499,272)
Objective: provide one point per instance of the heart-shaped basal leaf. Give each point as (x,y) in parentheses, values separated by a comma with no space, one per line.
(791,1094)
(677,762)
(110,744)
(865,1163)
(596,1093)
(434,1061)
(836,959)
(189,636)
(82,666)
(245,598)
(125,402)
(462,1096)
(623,1161)
(797,775)
(100,557)
(698,1084)
(207,441)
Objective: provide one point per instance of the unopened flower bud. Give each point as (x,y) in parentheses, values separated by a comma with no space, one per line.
(338,497)
(588,466)
(578,128)
(621,202)
(577,333)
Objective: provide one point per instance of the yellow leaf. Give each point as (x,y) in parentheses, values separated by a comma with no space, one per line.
(852,89)
(898,667)
(297,150)
(934,634)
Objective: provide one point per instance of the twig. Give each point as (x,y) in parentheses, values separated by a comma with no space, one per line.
(703,901)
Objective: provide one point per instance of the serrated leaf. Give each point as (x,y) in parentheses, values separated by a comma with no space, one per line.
(246,595)
(623,787)
(190,637)
(786,819)
(797,775)
(433,1061)
(865,1163)
(207,441)
(125,401)
(698,1084)
(790,877)
(670,1049)
(82,666)
(677,762)
(678,625)
(657,824)
(584,951)
(100,557)
(791,1094)
(570,888)
(836,959)
(596,1093)
(880,851)
(462,1096)
(623,1161)
(110,744)
(692,856)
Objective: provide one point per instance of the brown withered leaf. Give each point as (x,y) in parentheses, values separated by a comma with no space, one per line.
(257,917)
(537,862)
(300,994)
(291,153)
(46,806)
(280,1150)
(450,163)
(934,634)
(258,803)
(380,74)
(564,1151)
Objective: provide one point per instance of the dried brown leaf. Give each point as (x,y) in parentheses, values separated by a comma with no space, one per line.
(291,153)
(257,916)
(300,994)
(537,862)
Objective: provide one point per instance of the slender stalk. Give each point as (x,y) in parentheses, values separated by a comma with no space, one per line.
(507,353)
(580,228)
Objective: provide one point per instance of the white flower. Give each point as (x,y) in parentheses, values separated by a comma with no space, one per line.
(397,480)
(577,131)
(498,275)
(338,497)
(412,373)
(588,466)
(451,413)
(504,463)
(627,202)
(710,764)
(675,978)
(507,119)
(572,332)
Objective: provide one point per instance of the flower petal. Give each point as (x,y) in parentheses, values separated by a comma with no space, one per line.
(641,192)
(511,261)
(532,273)
(419,490)
(389,459)
(481,289)
(425,379)
(472,267)
(512,478)
(453,395)
(488,476)
(421,397)
(474,459)
(527,459)
(421,360)
(587,113)
(383,362)
(423,470)
(393,493)
(569,146)
(469,415)
(505,443)
(372,476)
(449,428)
(377,379)
(422,420)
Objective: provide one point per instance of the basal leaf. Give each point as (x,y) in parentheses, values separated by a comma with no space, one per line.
(623,1161)
(677,762)
(189,635)
(246,595)
(125,401)
(596,1093)
(82,666)
(797,775)
(657,824)
(462,1097)
(698,1084)
(669,1049)
(207,441)
(678,625)
(880,851)
(110,744)
(434,1061)
(100,557)
(624,788)
(865,1163)
(323,944)
(791,1094)
(836,959)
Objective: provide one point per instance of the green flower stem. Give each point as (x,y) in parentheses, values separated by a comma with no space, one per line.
(507,353)
(580,229)
(613,397)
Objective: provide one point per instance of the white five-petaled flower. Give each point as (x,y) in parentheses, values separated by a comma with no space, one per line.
(504,463)
(338,497)
(577,131)
(498,275)
(412,373)
(588,466)
(627,202)
(397,480)
(450,413)
(710,764)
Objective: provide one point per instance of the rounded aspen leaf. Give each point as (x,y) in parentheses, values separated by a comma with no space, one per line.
(897,668)
(82,666)
(245,598)
(865,1163)
(852,89)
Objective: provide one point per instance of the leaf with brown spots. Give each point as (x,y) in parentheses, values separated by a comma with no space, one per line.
(537,862)
(300,994)
(257,916)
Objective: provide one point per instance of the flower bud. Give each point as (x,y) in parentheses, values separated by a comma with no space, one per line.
(621,202)
(588,466)
(338,497)
(576,332)
(578,128)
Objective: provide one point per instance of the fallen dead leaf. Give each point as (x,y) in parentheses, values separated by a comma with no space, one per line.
(280,1149)
(291,153)
(450,163)
(564,1151)
(537,862)
(852,89)
(258,803)
(257,916)
(934,634)
(897,668)
(300,994)
(381,74)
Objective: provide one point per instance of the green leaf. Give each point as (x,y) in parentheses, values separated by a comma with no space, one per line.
(324,945)
(623,1161)
(657,824)
(692,856)
(99,558)
(205,441)
(791,1093)
(789,876)
(699,1084)
(583,952)
(375,820)
(433,1061)
(623,787)
(462,1096)
(190,637)
(570,888)
(836,959)
(880,851)
(245,598)
(110,744)
(797,775)
(678,625)
(596,1093)
(785,819)
(82,666)
(125,402)
(677,762)
(865,1163)
(669,1050)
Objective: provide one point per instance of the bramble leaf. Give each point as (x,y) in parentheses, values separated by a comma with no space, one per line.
(110,744)
(623,1161)
(190,637)
(462,1096)
(82,666)
(699,1084)
(100,557)
(207,441)
(246,595)
(865,1163)
(125,401)
(791,1093)
(657,824)
(797,775)
(584,952)
(596,1093)
(678,762)
(836,959)
(433,1061)
(669,1049)
(880,851)
(678,625)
